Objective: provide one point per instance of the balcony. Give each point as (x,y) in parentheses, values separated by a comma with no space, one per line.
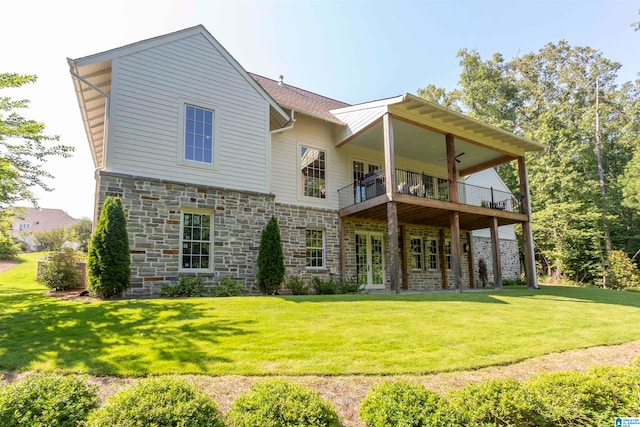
(424,199)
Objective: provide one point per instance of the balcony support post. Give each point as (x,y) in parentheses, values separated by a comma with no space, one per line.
(392,209)
(495,252)
(389,153)
(455,251)
(394,247)
(527,234)
(451,168)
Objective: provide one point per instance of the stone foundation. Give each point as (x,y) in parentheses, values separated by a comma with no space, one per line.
(153,209)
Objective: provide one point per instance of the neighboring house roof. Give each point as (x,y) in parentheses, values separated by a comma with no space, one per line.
(42,219)
(92,81)
(301,100)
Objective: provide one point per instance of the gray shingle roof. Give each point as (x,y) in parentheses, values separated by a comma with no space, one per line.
(300,100)
(42,219)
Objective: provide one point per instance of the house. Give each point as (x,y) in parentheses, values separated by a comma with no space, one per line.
(203,153)
(27,221)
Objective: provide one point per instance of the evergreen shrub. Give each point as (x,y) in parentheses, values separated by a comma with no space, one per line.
(270,259)
(498,402)
(158,402)
(406,404)
(47,400)
(108,261)
(277,403)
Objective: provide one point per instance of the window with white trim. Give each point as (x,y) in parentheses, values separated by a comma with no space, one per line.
(313,172)
(416,253)
(447,253)
(195,248)
(315,248)
(198,134)
(432,253)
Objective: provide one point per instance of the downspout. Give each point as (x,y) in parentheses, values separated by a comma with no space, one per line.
(106,113)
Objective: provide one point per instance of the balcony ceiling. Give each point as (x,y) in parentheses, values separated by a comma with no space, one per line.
(424,145)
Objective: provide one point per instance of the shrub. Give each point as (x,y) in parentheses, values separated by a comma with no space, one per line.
(47,400)
(516,281)
(158,402)
(623,272)
(403,403)
(277,403)
(297,286)
(573,398)
(270,259)
(228,288)
(108,262)
(187,286)
(347,287)
(323,287)
(60,272)
(500,402)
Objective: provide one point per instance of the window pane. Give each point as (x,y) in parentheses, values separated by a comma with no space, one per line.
(312,165)
(198,135)
(196,243)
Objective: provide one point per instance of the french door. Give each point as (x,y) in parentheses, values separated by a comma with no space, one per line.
(370,260)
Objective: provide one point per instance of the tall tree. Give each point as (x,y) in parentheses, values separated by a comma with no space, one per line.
(567,98)
(24,147)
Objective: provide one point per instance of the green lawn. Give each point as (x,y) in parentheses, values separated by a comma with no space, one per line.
(330,335)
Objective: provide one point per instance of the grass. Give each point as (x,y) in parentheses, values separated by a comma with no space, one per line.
(324,335)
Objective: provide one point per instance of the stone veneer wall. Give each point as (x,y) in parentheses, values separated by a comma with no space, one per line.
(153,220)
(293,222)
(153,210)
(425,279)
(509,258)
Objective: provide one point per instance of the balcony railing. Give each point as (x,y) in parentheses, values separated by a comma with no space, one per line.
(430,187)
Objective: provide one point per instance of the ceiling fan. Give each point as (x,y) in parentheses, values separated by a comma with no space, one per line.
(456,157)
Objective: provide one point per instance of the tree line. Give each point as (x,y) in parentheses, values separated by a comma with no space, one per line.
(585,192)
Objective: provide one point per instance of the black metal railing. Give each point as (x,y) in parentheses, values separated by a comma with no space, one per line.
(430,187)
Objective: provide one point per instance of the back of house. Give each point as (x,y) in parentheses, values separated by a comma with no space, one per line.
(203,154)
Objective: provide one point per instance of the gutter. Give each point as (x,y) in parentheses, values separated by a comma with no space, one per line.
(74,74)
(288,126)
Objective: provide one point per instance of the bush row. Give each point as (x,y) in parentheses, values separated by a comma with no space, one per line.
(593,398)
(193,286)
(298,286)
(69,401)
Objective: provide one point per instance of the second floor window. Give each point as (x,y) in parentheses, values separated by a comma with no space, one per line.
(313,171)
(198,134)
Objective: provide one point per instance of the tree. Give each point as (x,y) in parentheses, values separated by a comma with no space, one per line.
(50,240)
(567,98)
(108,261)
(270,259)
(80,232)
(24,148)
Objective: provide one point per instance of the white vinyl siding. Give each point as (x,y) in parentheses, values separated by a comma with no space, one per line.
(146,130)
(489,178)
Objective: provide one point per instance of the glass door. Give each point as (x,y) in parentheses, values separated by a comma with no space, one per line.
(370,260)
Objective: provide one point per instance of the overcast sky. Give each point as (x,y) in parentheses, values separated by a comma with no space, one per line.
(353,51)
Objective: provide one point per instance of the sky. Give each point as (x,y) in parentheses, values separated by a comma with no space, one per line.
(350,50)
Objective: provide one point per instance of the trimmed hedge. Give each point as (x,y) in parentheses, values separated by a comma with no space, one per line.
(277,403)
(499,402)
(158,402)
(47,400)
(406,404)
